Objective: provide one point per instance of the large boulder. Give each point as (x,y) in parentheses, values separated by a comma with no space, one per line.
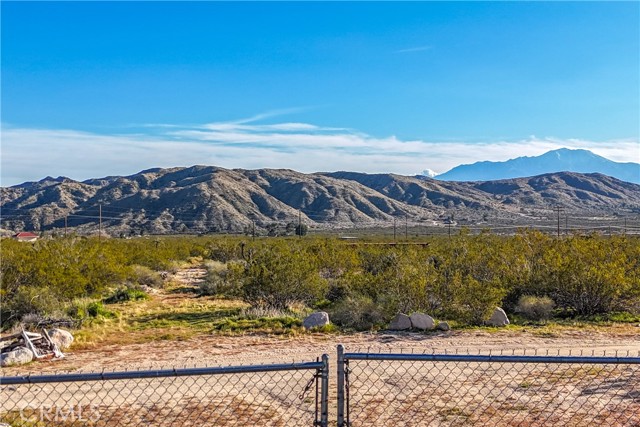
(19,356)
(422,321)
(61,338)
(498,318)
(400,323)
(315,320)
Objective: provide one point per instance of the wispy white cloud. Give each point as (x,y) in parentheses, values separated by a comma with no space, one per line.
(273,113)
(31,154)
(230,126)
(414,49)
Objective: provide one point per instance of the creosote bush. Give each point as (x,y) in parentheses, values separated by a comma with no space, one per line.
(281,273)
(359,313)
(221,279)
(144,276)
(362,286)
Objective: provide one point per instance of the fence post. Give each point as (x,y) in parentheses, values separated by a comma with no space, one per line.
(341,386)
(324,392)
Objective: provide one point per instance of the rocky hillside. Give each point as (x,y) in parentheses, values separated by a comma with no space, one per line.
(211,199)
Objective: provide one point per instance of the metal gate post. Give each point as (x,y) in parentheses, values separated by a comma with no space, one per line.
(341,386)
(324,392)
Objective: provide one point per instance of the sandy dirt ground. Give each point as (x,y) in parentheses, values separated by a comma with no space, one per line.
(225,350)
(381,393)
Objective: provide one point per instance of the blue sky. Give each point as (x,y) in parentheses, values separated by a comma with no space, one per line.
(92,89)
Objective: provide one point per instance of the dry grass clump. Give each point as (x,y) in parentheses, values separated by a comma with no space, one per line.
(535,308)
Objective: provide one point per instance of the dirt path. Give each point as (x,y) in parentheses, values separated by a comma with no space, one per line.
(189,276)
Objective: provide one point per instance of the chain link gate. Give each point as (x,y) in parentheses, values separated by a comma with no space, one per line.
(401,389)
(258,395)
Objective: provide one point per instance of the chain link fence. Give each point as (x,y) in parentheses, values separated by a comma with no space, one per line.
(376,389)
(266,395)
(373,389)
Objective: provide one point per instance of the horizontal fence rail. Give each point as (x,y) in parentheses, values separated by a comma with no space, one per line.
(403,389)
(256,395)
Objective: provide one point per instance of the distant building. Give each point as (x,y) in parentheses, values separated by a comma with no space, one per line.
(25,236)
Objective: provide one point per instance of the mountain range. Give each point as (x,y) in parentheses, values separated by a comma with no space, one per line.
(564,159)
(201,199)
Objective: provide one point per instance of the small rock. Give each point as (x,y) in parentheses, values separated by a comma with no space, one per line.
(61,338)
(443,326)
(498,318)
(19,356)
(422,321)
(400,323)
(317,319)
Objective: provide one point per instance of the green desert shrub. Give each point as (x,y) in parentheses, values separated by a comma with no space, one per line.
(359,313)
(591,275)
(126,294)
(474,301)
(29,300)
(223,280)
(281,274)
(144,276)
(97,309)
(224,251)
(461,278)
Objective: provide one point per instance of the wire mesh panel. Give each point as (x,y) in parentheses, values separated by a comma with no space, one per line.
(270,395)
(465,390)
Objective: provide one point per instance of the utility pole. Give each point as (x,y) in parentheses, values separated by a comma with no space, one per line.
(299,224)
(100,222)
(406,227)
(450,220)
(394,228)
(625,225)
(253,232)
(65,225)
(558,209)
(566,224)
